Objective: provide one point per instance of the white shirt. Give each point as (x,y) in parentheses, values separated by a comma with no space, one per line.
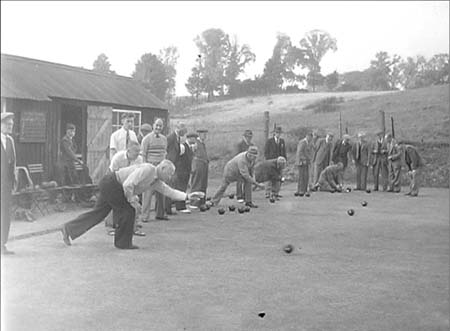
(4,140)
(118,139)
(120,160)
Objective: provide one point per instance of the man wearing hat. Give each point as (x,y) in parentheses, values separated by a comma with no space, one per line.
(145,130)
(274,148)
(183,169)
(243,146)
(68,157)
(239,168)
(330,179)
(120,138)
(302,161)
(8,176)
(341,150)
(200,165)
(271,171)
(360,155)
(173,154)
(322,156)
(379,161)
(414,164)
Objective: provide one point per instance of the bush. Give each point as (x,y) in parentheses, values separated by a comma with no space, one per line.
(325,105)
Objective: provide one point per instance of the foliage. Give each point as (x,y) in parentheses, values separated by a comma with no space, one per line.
(332,80)
(101,64)
(325,105)
(151,72)
(169,58)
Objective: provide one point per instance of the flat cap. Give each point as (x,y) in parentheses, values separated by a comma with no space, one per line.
(278,129)
(202,130)
(253,150)
(248,133)
(146,127)
(192,135)
(7,115)
(70,126)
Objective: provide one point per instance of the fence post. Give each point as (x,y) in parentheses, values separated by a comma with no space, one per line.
(383,122)
(340,125)
(266,125)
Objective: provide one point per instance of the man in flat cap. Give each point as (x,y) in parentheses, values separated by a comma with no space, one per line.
(360,156)
(145,130)
(239,168)
(8,176)
(243,146)
(68,157)
(379,161)
(274,148)
(200,166)
(271,171)
(414,164)
(119,192)
(120,138)
(330,179)
(322,155)
(173,154)
(302,161)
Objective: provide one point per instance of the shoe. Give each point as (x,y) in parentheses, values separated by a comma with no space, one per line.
(267,196)
(240,200)
(409,193)
(172,213)
(251,205)
(65,235)
(301,194)
(139,233)
(5,251)
(296,194)
(390,190)
(185,211)
(129,247)
(278,196)
(163,218)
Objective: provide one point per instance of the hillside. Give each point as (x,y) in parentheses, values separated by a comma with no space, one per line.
(421,116)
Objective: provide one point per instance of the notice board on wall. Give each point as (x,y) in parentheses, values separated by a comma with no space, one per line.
(33,127)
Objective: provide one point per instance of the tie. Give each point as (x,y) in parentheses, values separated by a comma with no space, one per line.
(128,138)
(358,151)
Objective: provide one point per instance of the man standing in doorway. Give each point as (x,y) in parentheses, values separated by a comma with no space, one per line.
(8,175)
(68,157)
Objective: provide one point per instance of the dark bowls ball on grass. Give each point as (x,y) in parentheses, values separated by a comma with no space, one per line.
(288,249)
(364,203)
(231,195)
(307,194)
(203,208)
(368,191)
(221,211)
(231,208)
(350,212)
(272,200)
(247,209)
(241,210)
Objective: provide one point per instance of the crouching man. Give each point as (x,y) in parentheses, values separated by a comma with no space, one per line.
(330,178)
(119,192)
(271,171)
(240,168)
(414,164)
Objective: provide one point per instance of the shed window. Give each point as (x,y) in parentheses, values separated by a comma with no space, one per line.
(117,124)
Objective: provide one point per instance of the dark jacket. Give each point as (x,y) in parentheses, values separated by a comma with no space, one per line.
(242,146)
(322,152)
(273,150)
(361,153)
(173,148)
(68,150)
(8,164)
(184,164)
(331,175)
(340,152)
(267,171)
(411,158)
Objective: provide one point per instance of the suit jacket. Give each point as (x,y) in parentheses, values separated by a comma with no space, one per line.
(267,171)
(242,146)
(378,150)
(68,150)
(322,152)
(331,175)
(361,153)
(411,158)
(173,148)
(395,153)
(185,161)
(272,150)
(304,152)
(340,152)
(239,167)
(8,164)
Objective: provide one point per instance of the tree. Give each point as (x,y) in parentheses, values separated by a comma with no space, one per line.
(437,69)
(101,64)
(151,72)
(332,80)
(169,58)
(237,59)
(314,46)
(195,84)
(385,71)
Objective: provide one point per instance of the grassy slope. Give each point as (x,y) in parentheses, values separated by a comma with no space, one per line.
(420,115)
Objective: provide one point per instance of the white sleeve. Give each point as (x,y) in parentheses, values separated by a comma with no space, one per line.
(169,192)
(130,183)
(182,149)
(112,141)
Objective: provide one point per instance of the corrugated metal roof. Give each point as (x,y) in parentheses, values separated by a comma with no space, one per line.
(26,78)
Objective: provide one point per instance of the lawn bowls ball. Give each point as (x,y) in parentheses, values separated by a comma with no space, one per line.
(231,195)
(368,191)
(288,249)
(247,209)
(351,212)
(208,206)
(241,210)
(208,199)
(231,208)
(307,195)
(364,203)
(203,208)
(272,199)
(221,211)
(348,190)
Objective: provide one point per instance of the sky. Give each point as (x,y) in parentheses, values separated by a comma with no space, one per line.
(75,33)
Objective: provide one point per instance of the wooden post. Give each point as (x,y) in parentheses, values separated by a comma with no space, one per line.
(340,125)
(392,127)
(383,122)
(266,125)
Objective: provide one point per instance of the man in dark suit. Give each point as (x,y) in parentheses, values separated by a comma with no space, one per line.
(360,155)
(414,164)
(173,155)
(8,176)
(183,169)
(274,148)
(243,146)
(271,171)
(322,155)
(379,161)
(302,161)
(341,150)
